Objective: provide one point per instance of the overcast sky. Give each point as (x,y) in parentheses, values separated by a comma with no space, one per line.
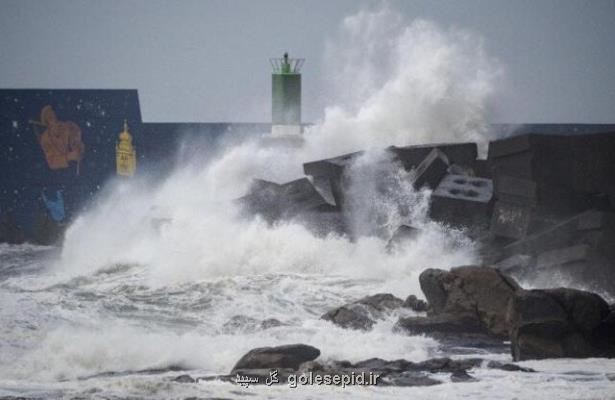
(208,60)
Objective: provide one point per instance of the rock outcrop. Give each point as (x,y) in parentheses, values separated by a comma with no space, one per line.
(288,356)
(468,299)
(560,323)
(362,314)
(257,364)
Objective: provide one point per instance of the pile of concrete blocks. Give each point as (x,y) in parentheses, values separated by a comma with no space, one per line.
(538,203)
(430,164)
(541,179)
(275,201)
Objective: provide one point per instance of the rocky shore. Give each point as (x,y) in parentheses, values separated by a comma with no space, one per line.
(473,306)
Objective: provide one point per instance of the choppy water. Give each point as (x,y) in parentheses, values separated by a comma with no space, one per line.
(110,334)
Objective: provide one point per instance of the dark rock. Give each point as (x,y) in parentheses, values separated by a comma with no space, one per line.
(310,366)
(382,301)
(466,293)
(391,373)
(351,316)
(508,367)
(184,379)
(415,303)
(462,376)
(432,285)
(288,356)
(431,170)
(559,323)
(362,313)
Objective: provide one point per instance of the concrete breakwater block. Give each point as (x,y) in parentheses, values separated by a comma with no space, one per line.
(510,220)
(572,173)
(461,200)
(431,170)
(515,190)
(328,176)
(593,163)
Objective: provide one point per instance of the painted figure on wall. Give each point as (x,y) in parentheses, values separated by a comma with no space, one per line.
(60,141)
(55,206)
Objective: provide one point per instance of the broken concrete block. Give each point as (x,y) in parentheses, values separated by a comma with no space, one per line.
(510,220)
(461,200)
(431,170)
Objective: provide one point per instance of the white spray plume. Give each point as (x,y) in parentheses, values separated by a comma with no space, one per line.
(406,84)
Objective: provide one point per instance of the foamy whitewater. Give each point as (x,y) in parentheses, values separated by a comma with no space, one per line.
(159,279)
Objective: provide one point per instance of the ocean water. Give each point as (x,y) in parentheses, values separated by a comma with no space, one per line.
(112,334)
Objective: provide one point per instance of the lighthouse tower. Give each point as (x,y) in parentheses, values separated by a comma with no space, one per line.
(286,96)
(125,154)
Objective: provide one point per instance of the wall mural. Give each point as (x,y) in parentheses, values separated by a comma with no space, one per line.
(60,140)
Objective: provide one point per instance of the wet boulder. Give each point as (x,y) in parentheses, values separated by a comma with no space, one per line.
(555,323)
(362,314)
(441,325)
(477,293)
(415,304)
(284,357)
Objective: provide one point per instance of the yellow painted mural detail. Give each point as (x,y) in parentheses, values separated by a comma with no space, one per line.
(61,140)
(125,154)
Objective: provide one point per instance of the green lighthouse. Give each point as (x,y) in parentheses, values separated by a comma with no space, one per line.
(286,95)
